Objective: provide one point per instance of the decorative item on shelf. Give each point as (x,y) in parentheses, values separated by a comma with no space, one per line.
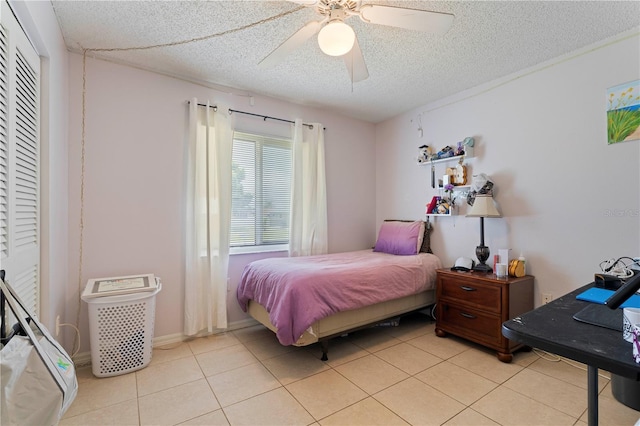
(425,154)
(449,195)
(449,176)
(467,145)
(445,152)
(432,205)
(438,206)
(481,184)
(443,207)
(482,207)
(460,174)
(462,149)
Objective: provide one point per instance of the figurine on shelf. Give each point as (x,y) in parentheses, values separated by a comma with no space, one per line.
(438,205)
(425,155)
(443,207)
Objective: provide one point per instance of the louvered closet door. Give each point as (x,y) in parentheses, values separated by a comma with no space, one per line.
(19,160)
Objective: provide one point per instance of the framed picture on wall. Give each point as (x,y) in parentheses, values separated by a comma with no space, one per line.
(623,112)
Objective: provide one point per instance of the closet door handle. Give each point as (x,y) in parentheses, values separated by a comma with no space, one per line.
(465,288)
(466,315)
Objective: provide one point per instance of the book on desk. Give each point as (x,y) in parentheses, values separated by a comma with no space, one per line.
(599,313)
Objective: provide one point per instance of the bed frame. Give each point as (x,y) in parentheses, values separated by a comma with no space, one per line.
(344,322)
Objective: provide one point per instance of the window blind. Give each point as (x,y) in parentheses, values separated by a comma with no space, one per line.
(261,190)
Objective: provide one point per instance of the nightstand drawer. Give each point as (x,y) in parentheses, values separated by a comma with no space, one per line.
(462,321)
(469,292)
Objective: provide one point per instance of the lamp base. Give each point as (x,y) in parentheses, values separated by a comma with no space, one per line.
(482,253)
(483,267)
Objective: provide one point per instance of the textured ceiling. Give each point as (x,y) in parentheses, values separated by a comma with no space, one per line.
(407,69)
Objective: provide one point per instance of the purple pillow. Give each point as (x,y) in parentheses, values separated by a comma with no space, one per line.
(399,237)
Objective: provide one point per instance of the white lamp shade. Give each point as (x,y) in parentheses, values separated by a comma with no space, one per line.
(336,38)
(483,206)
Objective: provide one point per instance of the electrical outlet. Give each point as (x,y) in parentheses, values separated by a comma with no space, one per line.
(57,325)
(546,298)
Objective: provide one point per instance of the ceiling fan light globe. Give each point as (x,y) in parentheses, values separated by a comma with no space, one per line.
(336,38)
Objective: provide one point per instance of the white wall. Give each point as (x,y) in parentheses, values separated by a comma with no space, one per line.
(567,198)
(134,178)
(41,26)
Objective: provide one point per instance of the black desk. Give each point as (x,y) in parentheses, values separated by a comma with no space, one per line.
(551,327)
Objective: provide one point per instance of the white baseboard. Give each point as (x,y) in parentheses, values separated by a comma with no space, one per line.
(84,358)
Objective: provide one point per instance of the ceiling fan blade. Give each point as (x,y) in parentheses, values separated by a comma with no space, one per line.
(355,63)
(412,19)
(290,44)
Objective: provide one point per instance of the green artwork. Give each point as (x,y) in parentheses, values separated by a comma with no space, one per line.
(623,112)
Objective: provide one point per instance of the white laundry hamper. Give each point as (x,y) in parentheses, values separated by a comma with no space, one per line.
(121,322)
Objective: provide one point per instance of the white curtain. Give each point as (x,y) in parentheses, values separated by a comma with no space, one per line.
(208,219)
(308,228)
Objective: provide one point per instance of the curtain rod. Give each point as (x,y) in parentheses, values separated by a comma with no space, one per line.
(264,117)
(215,107)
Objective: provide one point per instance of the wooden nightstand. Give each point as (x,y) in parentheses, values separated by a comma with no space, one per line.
(474,305)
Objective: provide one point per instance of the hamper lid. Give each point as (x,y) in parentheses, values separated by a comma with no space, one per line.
(99,287)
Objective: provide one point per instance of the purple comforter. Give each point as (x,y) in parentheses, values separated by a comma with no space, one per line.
(297,291)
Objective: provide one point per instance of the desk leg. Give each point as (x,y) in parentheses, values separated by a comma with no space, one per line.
(592,394)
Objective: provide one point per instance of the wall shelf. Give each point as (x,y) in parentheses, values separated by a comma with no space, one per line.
(468,154)
(459,187)
(443,160)
(460,190)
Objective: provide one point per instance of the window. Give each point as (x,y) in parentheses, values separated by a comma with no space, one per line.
(261,191)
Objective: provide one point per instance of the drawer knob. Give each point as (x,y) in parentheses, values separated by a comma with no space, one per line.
(466,288)
(466,315)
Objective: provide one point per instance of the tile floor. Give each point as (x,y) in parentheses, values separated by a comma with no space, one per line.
(379,376)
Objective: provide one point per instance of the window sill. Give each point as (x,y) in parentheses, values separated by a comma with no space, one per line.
(258,249)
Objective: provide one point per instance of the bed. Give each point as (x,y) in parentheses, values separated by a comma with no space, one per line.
(311,299)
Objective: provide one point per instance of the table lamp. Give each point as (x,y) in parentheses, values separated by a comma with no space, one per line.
(482,207)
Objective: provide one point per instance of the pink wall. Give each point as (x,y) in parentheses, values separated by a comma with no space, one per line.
(134,178)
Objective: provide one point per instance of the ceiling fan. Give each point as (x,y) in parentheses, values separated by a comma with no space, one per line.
(336,38)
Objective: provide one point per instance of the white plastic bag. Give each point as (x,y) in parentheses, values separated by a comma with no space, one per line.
(38,377)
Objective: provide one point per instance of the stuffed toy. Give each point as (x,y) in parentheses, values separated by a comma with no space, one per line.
(426,152)
(443,207)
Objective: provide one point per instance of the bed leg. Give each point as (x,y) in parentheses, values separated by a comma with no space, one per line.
(324,344)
